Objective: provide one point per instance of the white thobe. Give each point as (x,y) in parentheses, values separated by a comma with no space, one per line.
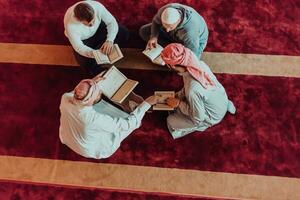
(200,108)
(96,131)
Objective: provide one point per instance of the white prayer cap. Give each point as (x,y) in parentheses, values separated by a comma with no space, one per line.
(170,16)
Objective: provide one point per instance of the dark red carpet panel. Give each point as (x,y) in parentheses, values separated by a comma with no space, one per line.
(18,191)
(265,27)
(262,138)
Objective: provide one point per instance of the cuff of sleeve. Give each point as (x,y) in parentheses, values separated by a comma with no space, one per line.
(110,39)
(145,106)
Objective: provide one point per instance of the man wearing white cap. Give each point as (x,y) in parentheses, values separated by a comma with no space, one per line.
(96,129)
(176,23)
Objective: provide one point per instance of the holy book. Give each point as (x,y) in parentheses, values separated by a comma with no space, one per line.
(116,86)
(162,97)
(115,55)
(154,54)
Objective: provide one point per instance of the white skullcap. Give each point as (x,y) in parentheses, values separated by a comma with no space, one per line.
(170,16)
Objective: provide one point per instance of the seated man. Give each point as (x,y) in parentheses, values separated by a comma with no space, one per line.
(93,130)
(89,26)
(179,23)
(202,102)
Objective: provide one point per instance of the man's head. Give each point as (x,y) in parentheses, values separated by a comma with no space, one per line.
(85,13)
(87,92)
(181,59)
(170,18)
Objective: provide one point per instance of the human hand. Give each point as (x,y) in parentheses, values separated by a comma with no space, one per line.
(98,78)
(152,43)
(173,102)
(107,47)
(152,100)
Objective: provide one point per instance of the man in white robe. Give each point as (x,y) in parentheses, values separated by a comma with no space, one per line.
(95,129)
(202,102)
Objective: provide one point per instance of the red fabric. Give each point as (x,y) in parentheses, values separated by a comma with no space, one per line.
(262,138)
(176,54)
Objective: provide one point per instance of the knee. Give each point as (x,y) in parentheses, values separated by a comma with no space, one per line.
(123,34)
(145,32)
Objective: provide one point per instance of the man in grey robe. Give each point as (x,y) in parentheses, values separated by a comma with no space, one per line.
(179,23)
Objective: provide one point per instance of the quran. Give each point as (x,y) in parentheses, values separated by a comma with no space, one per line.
(111,58)
(154,54)
(162,97)
(116,86)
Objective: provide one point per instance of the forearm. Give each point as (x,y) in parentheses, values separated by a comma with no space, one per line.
(81,48)
(156,25)
(139,113)
(184,107)
(111,23)
(112,30)
(180,94)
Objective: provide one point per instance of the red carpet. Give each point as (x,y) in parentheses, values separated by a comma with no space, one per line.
(265,27)
(16,191)
(262,138)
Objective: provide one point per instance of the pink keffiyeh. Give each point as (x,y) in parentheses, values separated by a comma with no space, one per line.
(177,54)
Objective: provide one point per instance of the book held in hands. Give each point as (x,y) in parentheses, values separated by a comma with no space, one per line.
(111,58)
(116,86)
(154,54)
(162,97)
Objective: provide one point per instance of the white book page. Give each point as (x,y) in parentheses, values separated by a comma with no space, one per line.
(100,57)
(112,82)
(161,102)
(116,54)
(154,52)
(158,60)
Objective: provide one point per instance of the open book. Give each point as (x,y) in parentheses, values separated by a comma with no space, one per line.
(111,58)
(154,54)
(116,86)
(161,104)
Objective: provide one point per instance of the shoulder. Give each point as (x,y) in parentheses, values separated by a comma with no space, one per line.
(96,5)
(66,100)
(67,96)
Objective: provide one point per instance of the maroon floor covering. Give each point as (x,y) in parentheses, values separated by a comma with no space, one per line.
(266,27)
(18,191)
(262,138)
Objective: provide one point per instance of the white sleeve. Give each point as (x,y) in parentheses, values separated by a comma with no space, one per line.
(109,20)
(78,45)
(117,125)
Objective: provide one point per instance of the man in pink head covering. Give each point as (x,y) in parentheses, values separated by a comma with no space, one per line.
(91,126)
(202,102)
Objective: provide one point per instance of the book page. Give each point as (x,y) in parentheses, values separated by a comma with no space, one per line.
(114,79)
(100,57)
(153,53)
(124,90)
(162,96)
(161,106)
(116,54)
(158,60)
